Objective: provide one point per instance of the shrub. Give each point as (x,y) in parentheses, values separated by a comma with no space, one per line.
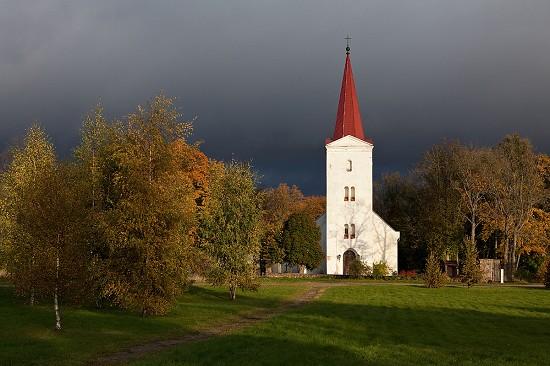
(433,277)
(471,273)
(408,274)
(380,269)
(357,269)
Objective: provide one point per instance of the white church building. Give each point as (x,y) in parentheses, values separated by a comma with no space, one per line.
(350,228)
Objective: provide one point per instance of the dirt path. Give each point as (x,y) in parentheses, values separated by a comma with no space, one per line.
(249,319)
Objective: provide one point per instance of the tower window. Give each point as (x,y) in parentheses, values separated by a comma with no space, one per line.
(346,193)
(346,231)
(352,194)
(352,236)
(349,166)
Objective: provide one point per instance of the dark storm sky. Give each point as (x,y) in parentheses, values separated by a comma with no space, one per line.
(263,77)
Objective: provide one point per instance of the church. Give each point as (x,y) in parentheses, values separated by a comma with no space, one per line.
(350,228)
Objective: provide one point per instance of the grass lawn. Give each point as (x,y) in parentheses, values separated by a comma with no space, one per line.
(27,336)
(389,325)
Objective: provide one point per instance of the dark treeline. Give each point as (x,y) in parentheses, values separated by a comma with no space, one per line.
(462,202)
(135,215)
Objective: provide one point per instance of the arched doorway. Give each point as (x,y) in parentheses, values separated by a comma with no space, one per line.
(349,256)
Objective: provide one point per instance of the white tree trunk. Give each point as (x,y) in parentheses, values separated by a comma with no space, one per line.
(55,299)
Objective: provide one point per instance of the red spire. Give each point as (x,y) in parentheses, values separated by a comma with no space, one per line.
(348,118)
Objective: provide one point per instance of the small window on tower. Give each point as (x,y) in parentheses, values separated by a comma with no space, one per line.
(346,231)
(346,193)
(352,194)
(349,166)
(352,236)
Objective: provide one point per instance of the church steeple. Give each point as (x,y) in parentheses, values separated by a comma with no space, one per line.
(348,117)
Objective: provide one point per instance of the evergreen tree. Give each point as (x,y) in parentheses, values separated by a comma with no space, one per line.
(471,273)
(433,277)
(301,241)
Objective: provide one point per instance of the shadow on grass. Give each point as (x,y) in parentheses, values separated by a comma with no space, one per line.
(27,336)
(335,333)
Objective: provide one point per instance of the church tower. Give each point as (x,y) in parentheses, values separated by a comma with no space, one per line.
(350,228)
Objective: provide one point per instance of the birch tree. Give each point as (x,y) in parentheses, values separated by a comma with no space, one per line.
(229,229)
(45,217)
(148,210)
(472,182)
(33,160)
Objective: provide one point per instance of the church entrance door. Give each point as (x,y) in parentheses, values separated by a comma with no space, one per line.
(349,256)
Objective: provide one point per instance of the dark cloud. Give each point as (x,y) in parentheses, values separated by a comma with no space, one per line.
(263,77)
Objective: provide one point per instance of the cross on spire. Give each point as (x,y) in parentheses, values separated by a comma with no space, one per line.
(348,39)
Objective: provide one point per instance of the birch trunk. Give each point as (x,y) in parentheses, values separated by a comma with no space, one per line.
(55,295)
(31,300)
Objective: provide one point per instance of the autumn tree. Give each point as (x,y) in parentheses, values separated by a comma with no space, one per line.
(516,187)
(543,168)
(59,226)
(148,210)
(47,220)
(36,158)
(229,229)
(314,206)
(472,181)
(277,206)
(301,242)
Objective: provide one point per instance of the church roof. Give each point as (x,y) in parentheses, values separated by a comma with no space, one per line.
(348,117)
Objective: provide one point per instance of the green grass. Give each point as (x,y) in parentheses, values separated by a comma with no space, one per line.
(389,325)
(27,336)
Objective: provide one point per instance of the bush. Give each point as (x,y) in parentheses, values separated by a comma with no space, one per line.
(471,273)
(357,269)
(408,274)
(433,277)
(380,269)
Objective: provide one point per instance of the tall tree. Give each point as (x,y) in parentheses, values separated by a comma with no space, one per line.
(516,187)
(148,210)
(229,230)
(58,223)
(30,162)
(437,173)
(43,207)
(472,181)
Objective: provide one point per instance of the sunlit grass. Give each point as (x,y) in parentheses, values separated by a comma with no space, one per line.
(390,325)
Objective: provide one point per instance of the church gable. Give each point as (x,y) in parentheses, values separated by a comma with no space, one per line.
(348,141)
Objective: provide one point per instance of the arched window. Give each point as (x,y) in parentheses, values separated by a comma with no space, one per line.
(349,166)
(352,236)
(346,231)
(346,193)
(352,194)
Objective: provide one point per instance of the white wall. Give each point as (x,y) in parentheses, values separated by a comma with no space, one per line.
(375,240)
